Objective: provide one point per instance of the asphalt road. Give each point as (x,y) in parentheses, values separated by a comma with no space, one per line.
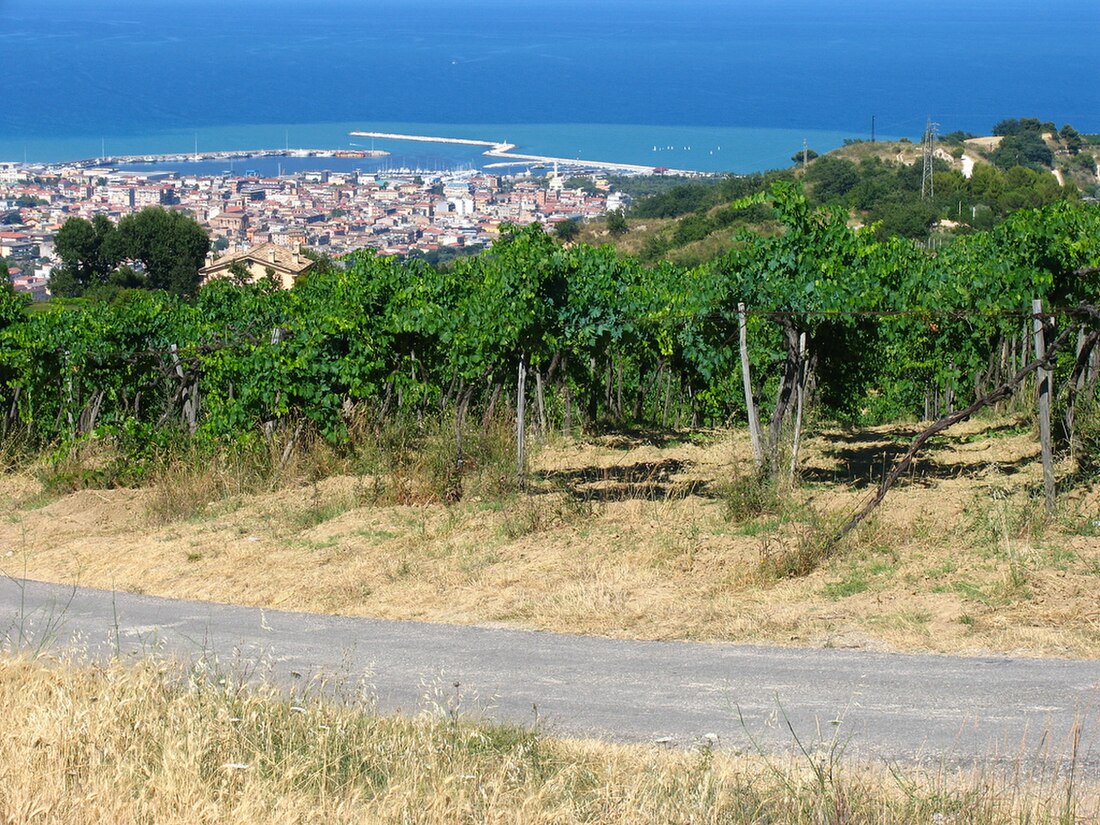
(906,708)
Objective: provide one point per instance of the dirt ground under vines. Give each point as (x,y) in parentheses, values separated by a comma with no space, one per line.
(642,536)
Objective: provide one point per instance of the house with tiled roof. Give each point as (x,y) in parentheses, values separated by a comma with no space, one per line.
(284,264)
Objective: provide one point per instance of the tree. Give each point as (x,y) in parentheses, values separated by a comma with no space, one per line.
(907,218)
(1016,126)
(1025,148)
(567,230)
(239,274)
(586,184)
(126,277)
(170,246)
(878,181)
(322,261)
(987,184)
(798,280)
(832,178)
(958,136)
(1008,126)
(678,200)
(504,321)
(693,227)
(803,155)
(89,251)
(616,223)
(1071,139)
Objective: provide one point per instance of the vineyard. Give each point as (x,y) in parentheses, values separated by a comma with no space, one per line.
(555,337)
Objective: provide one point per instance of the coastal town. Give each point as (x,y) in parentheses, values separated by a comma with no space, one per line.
(396,212)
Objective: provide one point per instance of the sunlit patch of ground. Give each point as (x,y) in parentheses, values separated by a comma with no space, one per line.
(628,536)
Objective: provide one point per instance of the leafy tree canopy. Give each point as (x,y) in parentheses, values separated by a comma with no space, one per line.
(169,247)
(1016,126)
(89,251)
(832,178)
(1071,139)
(1023,148)
(616,223)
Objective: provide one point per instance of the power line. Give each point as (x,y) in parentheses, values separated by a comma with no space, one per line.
(928,145)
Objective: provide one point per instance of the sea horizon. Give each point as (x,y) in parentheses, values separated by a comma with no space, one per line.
(729,85)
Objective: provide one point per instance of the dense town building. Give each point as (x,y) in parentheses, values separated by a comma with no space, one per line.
(336,213)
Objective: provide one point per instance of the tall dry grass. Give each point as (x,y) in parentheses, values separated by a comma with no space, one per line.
(405,461)
(116,744)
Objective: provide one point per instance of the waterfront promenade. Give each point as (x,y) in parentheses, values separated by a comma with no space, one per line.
(495,149)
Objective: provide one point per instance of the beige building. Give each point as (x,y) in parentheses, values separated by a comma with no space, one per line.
(260,262)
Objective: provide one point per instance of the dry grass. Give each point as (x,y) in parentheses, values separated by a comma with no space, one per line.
(891,151)
(633,242)
(622,536)
(91,744)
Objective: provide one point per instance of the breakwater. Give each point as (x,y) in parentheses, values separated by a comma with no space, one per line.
(505,150)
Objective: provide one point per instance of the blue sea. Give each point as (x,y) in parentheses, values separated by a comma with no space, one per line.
(714,85)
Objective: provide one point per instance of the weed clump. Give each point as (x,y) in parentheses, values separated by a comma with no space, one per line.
(16,451)
(750,496)
(812,545)
(418,461)
(799,540)
(184,483)
(537,514)
(1086,441)
(88,465)
(404,462)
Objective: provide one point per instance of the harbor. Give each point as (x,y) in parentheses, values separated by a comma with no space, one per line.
(506,151)
(223,156)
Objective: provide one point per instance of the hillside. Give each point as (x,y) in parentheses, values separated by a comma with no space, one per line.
(975,187)
(383,438)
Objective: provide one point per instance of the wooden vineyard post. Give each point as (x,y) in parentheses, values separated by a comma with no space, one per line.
(746,379)
(540,397)
(188,392)
(521,416)
(800,390)
(1043,379)
(69,392)
(567,422)
(269,425)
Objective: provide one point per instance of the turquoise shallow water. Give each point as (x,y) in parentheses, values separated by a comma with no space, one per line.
(709,149)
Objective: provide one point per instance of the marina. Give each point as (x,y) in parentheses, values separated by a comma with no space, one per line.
(506,151)
(225,156)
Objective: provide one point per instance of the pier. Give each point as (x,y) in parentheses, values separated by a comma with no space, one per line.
(500,149)
(493,149)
